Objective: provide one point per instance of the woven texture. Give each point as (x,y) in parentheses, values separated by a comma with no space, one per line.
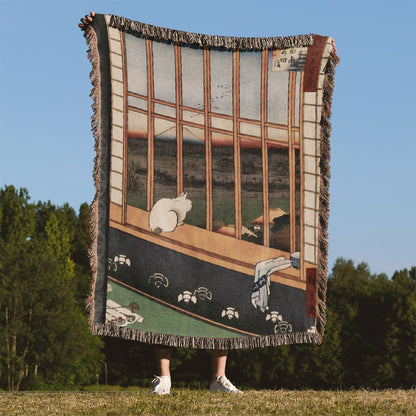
(209,223)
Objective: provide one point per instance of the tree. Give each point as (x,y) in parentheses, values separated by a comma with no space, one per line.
(400,343)
(44,334)
(378,320)
(17,224)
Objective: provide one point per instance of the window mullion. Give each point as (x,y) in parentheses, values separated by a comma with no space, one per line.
(292,174)
(208,151)
(125,131)
(301,213)
(266,212)
(179,153)
(236,139)
(150,129)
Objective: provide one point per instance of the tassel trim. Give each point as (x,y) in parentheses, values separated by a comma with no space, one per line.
(205,343)
(328,89)
(209,41)
(95,94)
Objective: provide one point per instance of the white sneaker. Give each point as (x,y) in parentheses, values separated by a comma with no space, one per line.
(161,385)
(223,385)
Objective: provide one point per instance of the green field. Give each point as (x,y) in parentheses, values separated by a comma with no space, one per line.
(201,402)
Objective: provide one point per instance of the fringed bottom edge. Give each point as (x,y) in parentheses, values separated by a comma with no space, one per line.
(204,343)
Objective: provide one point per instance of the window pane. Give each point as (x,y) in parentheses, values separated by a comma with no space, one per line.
(221,71)
(194,177)
(192,77)
(137,124)
(277,94)
(198,118)
(296,135)
(222,123)
(164,71)
(137,102)
(137,160)
(164,110)
(223,185)
(250,84)
(251,191)
(165,150)
(279,198)
(136,64)
(250,129)
(277,134)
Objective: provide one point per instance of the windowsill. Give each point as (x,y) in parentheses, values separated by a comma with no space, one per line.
(215,248)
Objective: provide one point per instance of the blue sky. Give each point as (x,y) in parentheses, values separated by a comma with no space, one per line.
(45,108)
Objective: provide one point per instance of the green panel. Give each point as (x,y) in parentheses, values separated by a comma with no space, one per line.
(162,319)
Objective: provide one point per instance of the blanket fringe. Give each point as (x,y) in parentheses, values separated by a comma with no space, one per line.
(208,41)
(328,89)
(205,343)
(95,94)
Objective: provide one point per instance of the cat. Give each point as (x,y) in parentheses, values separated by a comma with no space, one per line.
(168,213)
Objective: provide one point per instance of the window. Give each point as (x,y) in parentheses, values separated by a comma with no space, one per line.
(224,127)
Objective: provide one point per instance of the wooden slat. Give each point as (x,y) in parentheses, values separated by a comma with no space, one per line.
(179,152)
(224,116)
(167,103)
(266,212)
(150,129)
(162,116)
(302,179)
(248,121)
(236,139)
(191,109)
(292,176)
(277,126)
(208,150)
(217,130)
(282,143)
(125,128)
(137,110)
(134,94)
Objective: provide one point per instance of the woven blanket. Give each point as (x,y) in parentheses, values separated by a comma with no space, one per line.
(209,223)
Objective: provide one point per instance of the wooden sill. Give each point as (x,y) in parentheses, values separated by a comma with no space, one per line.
(215,248)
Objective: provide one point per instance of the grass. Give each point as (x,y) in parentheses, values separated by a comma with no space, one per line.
(201,402)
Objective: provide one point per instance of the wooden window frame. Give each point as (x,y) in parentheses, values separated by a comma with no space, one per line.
(127,219)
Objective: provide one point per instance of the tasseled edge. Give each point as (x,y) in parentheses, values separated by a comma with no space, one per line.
(328,89)
(209,41)
(112,330)
(95,94)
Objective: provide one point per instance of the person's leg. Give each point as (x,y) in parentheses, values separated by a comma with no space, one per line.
(163,355)
(219,381)
(162,383)
(219,362)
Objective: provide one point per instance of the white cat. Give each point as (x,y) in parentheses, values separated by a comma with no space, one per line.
(168,213)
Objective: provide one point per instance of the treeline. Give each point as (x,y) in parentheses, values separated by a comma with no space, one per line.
(370,337)
(369,341)
(44,337)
